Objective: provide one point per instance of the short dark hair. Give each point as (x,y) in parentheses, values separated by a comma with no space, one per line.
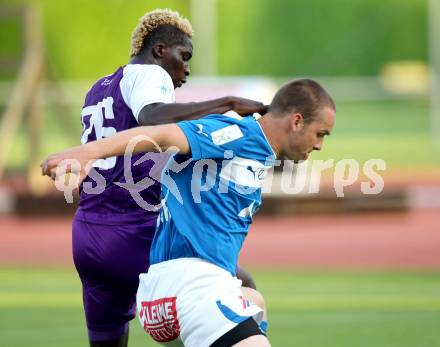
(167,34)
(304,96)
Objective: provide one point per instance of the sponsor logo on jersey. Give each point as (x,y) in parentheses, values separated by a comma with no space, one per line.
(227,134)
(106,82)
(159,319)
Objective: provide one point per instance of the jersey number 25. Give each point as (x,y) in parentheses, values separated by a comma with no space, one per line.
(92,118)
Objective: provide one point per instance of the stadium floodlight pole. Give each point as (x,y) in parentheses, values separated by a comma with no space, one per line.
(204,21)
(434,64)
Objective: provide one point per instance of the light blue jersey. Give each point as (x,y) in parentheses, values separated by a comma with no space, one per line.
(209,203)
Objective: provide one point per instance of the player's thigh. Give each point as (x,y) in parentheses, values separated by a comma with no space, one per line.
(109,277)
(107,309)
(100,252)
(254,341)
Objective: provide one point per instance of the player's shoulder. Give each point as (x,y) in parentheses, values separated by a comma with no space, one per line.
(214,122)
(220,121)
(225,128)
(102,86)
(146,76)
(245,124)
(230,119)
(246,129)
(145,69)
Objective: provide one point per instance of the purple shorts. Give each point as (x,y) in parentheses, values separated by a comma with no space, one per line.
(109,259)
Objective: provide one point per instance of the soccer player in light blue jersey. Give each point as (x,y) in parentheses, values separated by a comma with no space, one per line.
(211,189)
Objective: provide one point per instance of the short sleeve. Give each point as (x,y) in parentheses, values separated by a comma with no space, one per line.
(143,85)
(214,137)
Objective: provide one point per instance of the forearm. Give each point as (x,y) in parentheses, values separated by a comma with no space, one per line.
(173,113)
(196,110)
(144,139)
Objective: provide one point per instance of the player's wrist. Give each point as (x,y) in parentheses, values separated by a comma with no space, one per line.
(95,150)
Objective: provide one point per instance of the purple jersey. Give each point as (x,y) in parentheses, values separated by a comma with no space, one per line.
(112,105)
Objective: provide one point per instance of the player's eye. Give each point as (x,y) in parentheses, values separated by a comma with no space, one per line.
(186,56)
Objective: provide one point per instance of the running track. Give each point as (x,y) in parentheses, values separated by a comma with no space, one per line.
(409,240)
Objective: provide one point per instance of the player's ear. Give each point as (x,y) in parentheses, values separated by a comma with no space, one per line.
(296,121)
(159,50)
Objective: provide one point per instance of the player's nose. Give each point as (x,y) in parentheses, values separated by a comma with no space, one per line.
(186,69)
(318,144)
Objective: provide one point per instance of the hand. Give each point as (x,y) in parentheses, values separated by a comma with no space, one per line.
(77,160)
(246,107)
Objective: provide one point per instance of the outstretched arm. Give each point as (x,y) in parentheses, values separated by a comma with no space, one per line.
(144,139)
(154,114)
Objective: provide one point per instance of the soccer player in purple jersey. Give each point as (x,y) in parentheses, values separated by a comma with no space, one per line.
(112,232)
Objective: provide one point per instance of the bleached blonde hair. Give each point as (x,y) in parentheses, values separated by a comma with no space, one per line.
(151,21)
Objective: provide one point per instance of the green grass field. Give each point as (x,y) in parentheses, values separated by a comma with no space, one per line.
(381,309)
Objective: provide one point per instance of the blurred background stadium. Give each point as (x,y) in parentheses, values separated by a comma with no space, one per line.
(358,270)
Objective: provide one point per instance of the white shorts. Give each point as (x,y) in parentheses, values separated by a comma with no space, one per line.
(190,302)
